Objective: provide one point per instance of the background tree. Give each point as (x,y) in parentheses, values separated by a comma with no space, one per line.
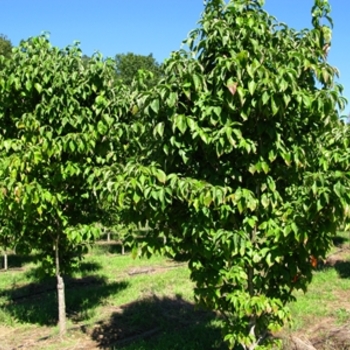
(5,47)
(245,163)
(5,233)
(127,66)
(60,116)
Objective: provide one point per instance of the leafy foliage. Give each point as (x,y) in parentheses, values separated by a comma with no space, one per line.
(5,47)
(128,65)
(244,166)
(62,119)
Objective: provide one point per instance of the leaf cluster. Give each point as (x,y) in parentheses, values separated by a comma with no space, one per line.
(62,118)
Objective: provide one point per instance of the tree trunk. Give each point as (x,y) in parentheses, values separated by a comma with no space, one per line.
(5,260)
(123,249)
(252,322)
(108,237)
(251,272)
(60,294)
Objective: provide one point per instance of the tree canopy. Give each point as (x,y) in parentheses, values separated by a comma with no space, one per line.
(5,46)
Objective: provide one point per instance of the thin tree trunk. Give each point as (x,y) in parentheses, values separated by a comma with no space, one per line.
(60,294)
(123,249)
(252,323)
(108,237)
(6,266)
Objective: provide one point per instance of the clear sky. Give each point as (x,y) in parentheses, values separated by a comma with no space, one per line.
(150,26)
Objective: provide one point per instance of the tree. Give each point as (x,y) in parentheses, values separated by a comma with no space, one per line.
(5,47)
(127,66)
(245,163)
(7,237)
(5,231)
(60,117)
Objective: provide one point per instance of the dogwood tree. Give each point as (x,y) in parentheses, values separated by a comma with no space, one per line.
(61,118)
(245,166)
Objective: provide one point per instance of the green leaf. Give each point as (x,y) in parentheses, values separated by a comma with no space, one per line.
(28,85)
(180,123)
(265,167)
(71,145)
(159,129)
(252,87)
(241,94)
(274,106)
(136,198)
(197,82)
(171,100)
(38,87)
(102,128)
(265,201)
(161,176)
(265,97)
(155,105)
(286,99)
(272,156)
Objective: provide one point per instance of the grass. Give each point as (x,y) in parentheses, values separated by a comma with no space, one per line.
(116,302)
(113,301)
(325,308)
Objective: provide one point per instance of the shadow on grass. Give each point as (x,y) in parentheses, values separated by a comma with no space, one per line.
(37,302)
(158,324)
(84,268)
(343,268)
(338,241)
(112,247)
(17,261)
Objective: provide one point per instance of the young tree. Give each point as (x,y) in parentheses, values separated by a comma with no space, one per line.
(245,164)
(7,236)
(61,117)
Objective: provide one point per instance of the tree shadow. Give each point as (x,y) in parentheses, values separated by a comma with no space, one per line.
(112,247)
(17,261)
(84,268)
(338,241)
(37,302)
(343,268)
(158,324)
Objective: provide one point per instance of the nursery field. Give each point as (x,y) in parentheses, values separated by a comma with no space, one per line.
(117,302)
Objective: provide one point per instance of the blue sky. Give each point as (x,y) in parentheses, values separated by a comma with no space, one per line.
(150,26)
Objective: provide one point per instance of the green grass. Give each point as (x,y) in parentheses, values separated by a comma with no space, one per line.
(113,301)
(117,302)
(325,309)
